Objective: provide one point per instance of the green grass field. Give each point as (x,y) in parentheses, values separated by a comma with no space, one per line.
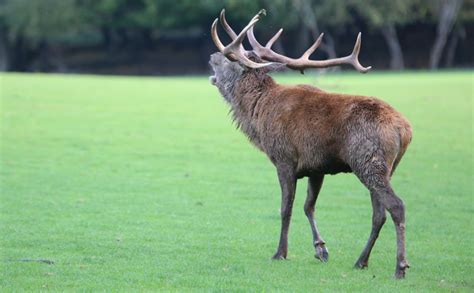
(144,184)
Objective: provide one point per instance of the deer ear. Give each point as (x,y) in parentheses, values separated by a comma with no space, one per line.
(238,67)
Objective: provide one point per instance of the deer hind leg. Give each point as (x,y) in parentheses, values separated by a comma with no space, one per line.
(378,219)
(287,178)
(314,186)
(376,176)
(396,208)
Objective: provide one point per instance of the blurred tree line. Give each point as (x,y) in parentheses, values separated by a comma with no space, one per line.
(163,36)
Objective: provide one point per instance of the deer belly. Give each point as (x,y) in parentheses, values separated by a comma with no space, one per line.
(327,166)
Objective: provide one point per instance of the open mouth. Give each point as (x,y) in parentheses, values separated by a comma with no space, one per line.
(212,79)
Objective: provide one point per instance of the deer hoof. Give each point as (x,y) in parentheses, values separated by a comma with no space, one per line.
(278,256)
(400,274)
(361,265)
(400,270)
(322,253)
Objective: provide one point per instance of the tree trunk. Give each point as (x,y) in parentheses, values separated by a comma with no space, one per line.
(448,12)
(22,54)
(302,41)
(17,54)
(4,61)
(329,46)
(147,38)
(396,55)
(106,38)
(308,17)
(459,32)
(278,47)
(124,40)
(40,62)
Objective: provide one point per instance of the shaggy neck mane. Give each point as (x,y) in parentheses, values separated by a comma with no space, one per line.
(249,89)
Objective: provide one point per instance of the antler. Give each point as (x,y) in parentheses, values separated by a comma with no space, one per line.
(235,50)
(303,62)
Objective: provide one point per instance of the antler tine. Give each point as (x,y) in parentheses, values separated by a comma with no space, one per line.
(226,26)
(273,39)
(261,13)
(256,46)
(354,57)
(228,29)
(356,49)
(215,37)
(218,42)
(235,51)
(312,48)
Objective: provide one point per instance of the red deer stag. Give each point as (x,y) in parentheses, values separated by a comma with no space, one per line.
(307,132)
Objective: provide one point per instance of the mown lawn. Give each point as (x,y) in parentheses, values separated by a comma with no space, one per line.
(131,183)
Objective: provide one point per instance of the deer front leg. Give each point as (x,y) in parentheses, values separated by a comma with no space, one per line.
(287,178)
(314,186)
